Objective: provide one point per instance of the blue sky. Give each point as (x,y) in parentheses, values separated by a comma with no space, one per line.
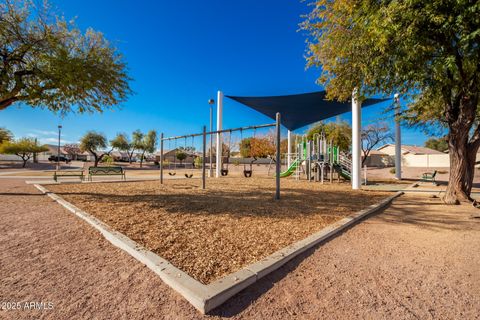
(179,54)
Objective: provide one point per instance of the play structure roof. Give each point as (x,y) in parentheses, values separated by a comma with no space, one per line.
(299,110)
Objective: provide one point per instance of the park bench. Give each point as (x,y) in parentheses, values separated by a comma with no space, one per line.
(429,176)
(106,171)
(68,173)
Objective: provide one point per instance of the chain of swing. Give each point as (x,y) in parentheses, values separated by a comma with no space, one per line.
(175,155)
(247,173)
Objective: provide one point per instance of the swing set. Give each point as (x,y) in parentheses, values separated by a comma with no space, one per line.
(224,170)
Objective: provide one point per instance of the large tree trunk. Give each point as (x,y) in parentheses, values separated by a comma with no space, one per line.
(462,151)
(459,166)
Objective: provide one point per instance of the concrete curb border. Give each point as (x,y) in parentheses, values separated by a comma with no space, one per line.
(207,297)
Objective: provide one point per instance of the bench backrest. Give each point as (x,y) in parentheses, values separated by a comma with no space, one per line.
(105,170)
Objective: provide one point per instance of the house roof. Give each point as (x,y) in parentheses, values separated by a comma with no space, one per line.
(372,152)
(413,149)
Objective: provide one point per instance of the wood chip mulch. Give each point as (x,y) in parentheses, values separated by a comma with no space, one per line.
(211,233)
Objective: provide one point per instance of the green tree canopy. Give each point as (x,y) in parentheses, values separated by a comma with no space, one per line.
(181,155)
(120,142)
(47,62)
(94,143)
(338,132)
(439,144)
(25,148)
(145,143)
(428,51)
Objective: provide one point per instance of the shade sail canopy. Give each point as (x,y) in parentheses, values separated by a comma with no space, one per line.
(299,110)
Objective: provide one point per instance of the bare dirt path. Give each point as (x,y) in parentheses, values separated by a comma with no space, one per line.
(400,264)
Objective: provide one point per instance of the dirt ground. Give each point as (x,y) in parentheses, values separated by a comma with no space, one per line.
(417,260)
(214,232)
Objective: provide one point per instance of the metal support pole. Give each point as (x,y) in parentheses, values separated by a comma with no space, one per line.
(211,142)
(356,140)
(365,174)
(161,158)
(278,159)
(289,148)
(398,139)
(219,135)
(204,155)
(58,149)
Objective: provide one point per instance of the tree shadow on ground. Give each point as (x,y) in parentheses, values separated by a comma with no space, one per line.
(429,213)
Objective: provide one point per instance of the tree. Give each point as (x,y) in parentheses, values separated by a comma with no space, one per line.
(340,133)
(372,136)
(47,62)
(181,155)
(147,143)
(258,147)
(25,148)
(122,143)
(439,144)
(426,50)
(72,150)
(93,142)
(5,135)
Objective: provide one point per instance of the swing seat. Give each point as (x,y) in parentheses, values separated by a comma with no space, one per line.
(247,173)
(172,173)
(224,172)
(189,176)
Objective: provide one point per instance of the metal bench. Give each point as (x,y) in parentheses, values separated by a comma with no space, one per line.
(429,176)
(106,171)
(68,173)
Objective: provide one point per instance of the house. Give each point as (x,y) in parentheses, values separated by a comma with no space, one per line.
(379,159)
(53,151)
(121,156)
(420,157)
(169,157)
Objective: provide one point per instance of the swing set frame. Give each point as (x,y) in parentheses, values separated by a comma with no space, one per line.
(204,134)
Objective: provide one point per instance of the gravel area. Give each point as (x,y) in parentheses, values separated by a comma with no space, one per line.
(417,260)
(211,233)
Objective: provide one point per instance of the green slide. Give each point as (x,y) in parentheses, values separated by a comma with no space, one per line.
(342,172)
(345,174)
(290,170)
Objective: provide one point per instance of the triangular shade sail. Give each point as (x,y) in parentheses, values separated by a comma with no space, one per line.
(299,110)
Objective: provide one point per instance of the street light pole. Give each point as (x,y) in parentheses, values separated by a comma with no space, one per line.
(58,149)
(211,102)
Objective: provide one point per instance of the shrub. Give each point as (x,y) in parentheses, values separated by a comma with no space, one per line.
(392,171)
(198,162)
(108,160)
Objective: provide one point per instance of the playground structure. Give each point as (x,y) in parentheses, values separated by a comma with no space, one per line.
(220,169)
(317,159)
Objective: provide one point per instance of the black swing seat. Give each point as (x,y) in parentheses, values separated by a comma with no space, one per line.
(189,176)
(172,173)
(224,172)
(247,173)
